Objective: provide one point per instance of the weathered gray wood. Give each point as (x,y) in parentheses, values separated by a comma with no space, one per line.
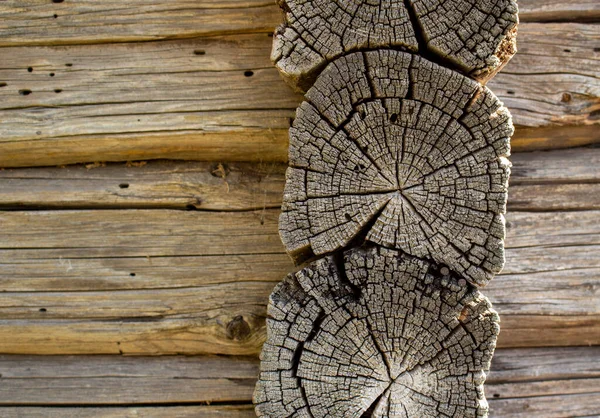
(541,181)
(31,22)
(154,184)
(375,330)
(408,154)
(475,40)
(559,10)
(184,113)
(546,380)
(188,411)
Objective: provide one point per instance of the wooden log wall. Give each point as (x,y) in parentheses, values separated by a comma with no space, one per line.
(104,262)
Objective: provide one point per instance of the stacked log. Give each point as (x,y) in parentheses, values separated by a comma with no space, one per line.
(394,201)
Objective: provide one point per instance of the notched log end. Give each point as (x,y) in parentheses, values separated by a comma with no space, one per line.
(380,331)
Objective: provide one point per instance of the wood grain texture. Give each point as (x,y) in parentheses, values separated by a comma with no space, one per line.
(149,100)
(161,281)
(558,10)
(375,330)
(555,382)
(394,147)
(32,22)
(188,411)
(540,181)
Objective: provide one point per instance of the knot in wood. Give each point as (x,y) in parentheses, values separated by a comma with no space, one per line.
(402,152)
(378,333)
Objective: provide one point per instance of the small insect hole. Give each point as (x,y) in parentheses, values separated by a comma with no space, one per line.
(29,69)
(123,185)
(191,207)
(55,15)
(3,84)
(394,117)
(68,65)
(57,90)
(347,216)
(597,49)
(248,73)
(132,274)
(25,92)
(57,1)
(567,50)
(42,309)
(510,92)
(496,395)
(199,52)
(51,74)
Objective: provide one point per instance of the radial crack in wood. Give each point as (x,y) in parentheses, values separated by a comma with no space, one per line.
(408,154)
(476,37)
(379,333)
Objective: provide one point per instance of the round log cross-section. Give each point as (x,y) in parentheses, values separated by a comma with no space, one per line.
(476,37)
(407,154)
(378,334)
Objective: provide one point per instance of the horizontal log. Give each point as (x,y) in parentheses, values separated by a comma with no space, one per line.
(191,411)
(540,181)
(219,98)
(31,22)
(521,380)
(559,10)
(166,282)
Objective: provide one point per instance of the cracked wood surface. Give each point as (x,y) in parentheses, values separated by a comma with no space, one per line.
(116,102)
(375,330)
(552,382)
(540,181)
(404,153)
(476,38)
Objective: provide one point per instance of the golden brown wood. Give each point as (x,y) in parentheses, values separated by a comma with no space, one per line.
(201,280)
(219,98)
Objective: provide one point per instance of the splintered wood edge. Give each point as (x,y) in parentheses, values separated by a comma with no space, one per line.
(393,149)
(310,37)
(378,333)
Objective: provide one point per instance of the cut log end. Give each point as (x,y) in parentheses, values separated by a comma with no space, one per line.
(470,36)
(377,333)
(399,151)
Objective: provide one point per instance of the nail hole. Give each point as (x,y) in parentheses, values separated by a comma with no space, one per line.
(567,50)
(25,92)
(124,185)
(132,274)
(57,1)
(55,15)
(42,309)
(249,73)
(68,65)
(3,84)
(51,74)
(393,117)
(199,52)
(510,92)
(29,69)
(57,90)
(496,395)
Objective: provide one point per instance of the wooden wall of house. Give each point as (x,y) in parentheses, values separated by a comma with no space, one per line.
(143,148)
